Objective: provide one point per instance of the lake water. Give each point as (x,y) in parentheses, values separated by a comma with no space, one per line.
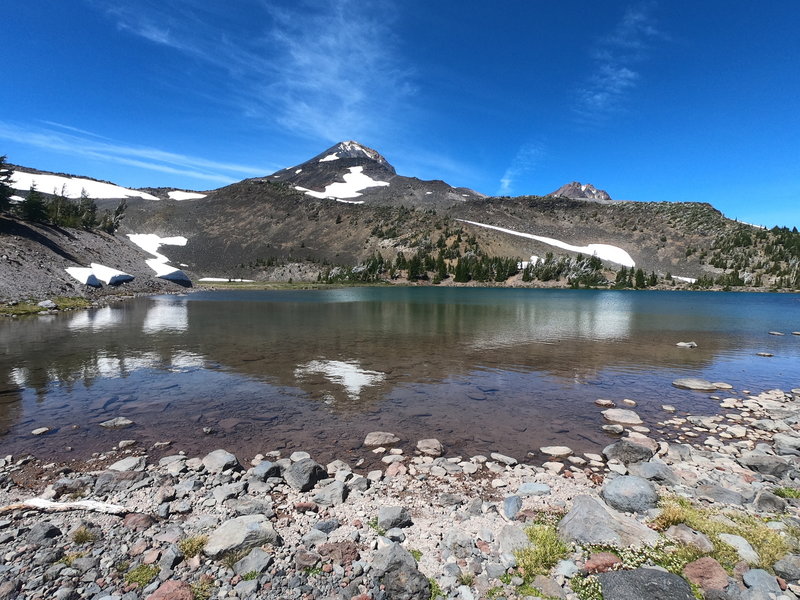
(482,369)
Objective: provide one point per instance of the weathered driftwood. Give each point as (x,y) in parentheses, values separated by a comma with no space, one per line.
(51,506)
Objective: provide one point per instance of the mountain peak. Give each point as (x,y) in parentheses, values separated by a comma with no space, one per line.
(352,149)
(582,191)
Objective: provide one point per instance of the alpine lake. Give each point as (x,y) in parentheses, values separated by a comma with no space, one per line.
(481,369)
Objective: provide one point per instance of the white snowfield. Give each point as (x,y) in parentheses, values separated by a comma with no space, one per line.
(72,187)
(354,182)
(181,195)
(329,158)
(602,251)
(108,275)
(348,374)
(684,279)
(150,242)
(85,275)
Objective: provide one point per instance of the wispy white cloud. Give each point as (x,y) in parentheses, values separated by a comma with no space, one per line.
(527,158)
(90,145)
(319,69)
(616,58)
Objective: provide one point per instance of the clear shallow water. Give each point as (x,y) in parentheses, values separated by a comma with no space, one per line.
(482,369)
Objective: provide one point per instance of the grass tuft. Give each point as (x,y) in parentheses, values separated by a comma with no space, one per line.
(192,546)
(142,575)
(545,551)
(83,535)
(787,492)
(770,545)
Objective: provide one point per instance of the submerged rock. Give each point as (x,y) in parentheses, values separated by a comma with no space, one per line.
(694,383)
(622,416)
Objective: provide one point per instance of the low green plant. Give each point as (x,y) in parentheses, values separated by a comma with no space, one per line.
(191,546)
(122,566)
(545,550)
(250,575)
(142,575)
(373,523)
(312,571)
(70,558)
(586,587)
(466,579)
(83,535)
(494,592)
(231,558)
(436,589)
(202,590)
(787,492)
(417,554)
(769,544)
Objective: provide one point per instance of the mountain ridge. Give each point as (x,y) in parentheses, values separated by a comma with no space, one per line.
(347,205)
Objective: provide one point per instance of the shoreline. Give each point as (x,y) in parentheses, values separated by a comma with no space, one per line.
(346,530)
(27,306)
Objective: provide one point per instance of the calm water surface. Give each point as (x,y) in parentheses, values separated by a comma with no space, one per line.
(482,369)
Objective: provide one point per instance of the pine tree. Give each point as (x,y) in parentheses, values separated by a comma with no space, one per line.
(87,210)
(640,283)
(6,191)
(34,208)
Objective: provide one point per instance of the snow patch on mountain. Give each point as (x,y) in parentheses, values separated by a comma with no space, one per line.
(602,251)
(180,195)
(72,187)
(151,243)
(329,158)
(108,275)
(354,182)
(84,275)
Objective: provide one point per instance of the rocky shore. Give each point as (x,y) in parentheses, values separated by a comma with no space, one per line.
(711,515)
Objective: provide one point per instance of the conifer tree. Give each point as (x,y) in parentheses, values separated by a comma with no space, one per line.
(6,191)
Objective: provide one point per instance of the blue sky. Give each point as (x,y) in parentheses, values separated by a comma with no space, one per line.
(670,100)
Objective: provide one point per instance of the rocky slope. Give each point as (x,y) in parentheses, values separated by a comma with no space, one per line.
(645,519)
(34,258)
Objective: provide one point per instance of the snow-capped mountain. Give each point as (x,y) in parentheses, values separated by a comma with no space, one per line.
(583,191)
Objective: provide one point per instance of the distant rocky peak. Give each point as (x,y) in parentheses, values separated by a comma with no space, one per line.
(579,190)
(352,149)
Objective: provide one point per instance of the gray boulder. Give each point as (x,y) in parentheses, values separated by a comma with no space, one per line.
(787,444)
(761,584)
(788,567)
(219,461)
(511,506)
(332,494)
(592,522)
(532,488)
(459,543)
(512,538)
(627,452)
(257,561)
(717,493)
(688,536)
(654,471)
(241,533)
(380,438)
(630,494)
(431,447)
(390,517)
(765,463)
(396,570)
(42,531)
(694,383)
(769,502)
(131,463)
(304,474)
(264,470)
(644,584)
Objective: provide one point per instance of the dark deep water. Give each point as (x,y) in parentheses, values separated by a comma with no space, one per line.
(482,369)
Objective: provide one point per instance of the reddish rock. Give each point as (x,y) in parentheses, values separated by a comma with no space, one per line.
(601,562)
(137,521)
(341,553)
(327,568)
(303,559)
(396,469)
(172,590)
(483,547)
(707,573)
(304,507)
(151,556)
(138,547)
(782,583)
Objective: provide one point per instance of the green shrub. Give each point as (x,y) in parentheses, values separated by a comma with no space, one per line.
(142,575)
